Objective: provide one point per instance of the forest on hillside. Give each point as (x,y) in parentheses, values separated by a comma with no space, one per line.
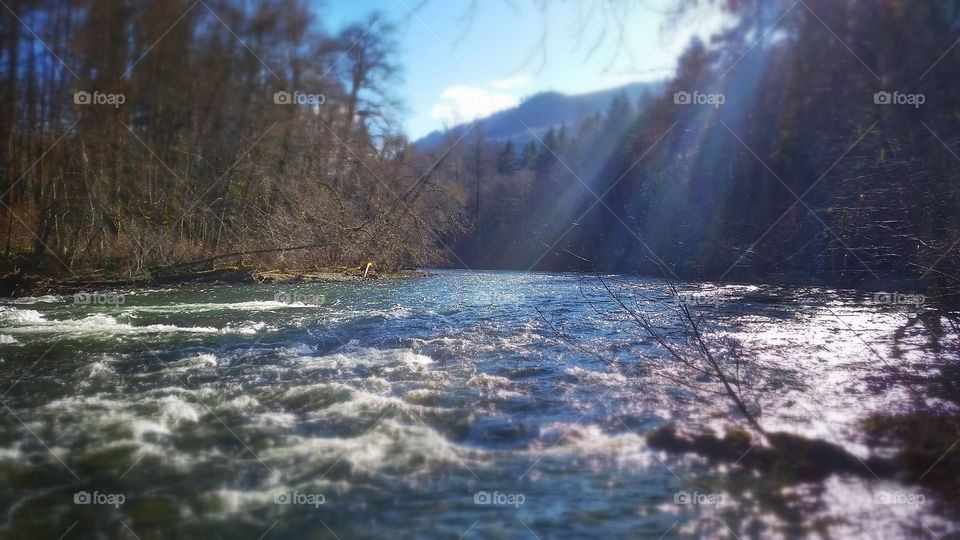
(142,135)
(288,151)
(803,172)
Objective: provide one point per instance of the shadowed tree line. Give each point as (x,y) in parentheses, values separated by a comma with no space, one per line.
(799,175)
(138,135)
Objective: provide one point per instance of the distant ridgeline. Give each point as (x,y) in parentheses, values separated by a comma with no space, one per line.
(793,161)
(542,111)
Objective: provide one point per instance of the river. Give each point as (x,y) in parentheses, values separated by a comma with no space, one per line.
(463,404)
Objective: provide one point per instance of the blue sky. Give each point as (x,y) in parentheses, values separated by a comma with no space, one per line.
(458,67)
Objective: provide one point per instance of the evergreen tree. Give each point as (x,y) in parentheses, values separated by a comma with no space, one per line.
(530,154)
(548,156)
(507,159)
(619,111)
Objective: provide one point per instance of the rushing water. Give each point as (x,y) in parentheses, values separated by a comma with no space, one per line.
(396,409)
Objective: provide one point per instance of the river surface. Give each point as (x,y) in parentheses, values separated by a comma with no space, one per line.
(460,405)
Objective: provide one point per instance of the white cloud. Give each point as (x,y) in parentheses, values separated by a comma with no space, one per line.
(512,81)
(460,104)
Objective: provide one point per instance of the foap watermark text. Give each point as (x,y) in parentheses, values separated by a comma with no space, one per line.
(99,299)
(298,98)
(82,97)
(697,98)
(697,498)
(899,299)
(898,498)
(295,497)
(899,98)
(498,498)
(293,297)
(104,499)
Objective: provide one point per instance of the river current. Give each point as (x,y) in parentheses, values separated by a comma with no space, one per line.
(459,405)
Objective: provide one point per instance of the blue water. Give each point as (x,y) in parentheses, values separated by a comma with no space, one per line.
(464,404)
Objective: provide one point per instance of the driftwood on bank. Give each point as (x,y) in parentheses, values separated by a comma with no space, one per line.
(20,283)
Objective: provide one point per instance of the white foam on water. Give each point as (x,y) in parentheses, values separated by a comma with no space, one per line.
(125,420)
(394,312)
(206,360)
(597,377)
(361,404)
(175,410)
(8,340)
(13,453)
(146,292)
(15,316)
(141,416)
(274,420)
(232,501)
(243,403)
(592,447)
(489,382)
(27,300)
(251,408)
(101,369)
(419,395)
(28,321)
(141,427)
(377,385)
(200,307)
(443,341)
(352,357)
(248,328)
(389,448)
(299,349)
(411,358)
(202,362)
(496,386)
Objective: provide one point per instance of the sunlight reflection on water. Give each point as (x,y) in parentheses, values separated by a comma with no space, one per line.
(400,401)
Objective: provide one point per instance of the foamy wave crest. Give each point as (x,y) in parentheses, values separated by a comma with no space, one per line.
(350,357)
(27,300)
(391,449)
(592,447)
(131,423)
(28,321)
(199,362)
(252,305)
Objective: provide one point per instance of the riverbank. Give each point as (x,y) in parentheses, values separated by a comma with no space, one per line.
(20,283)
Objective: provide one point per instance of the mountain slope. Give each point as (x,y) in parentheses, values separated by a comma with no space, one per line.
(543,110)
